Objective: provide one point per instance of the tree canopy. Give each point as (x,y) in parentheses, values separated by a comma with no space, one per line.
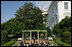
(63,29)
(31,16)
(13,27)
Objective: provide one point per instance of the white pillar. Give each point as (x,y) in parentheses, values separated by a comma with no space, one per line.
(30,37)
(22,35)
(38,36)
(46,35)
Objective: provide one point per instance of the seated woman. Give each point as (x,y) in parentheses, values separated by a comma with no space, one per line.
(32,44)
(46,44)
(45,40)
(27,44)
(42,43)
(36,43)
(24,43)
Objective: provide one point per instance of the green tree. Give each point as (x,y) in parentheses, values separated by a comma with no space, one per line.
(66,22)
(13,26)
(66,37)
(63,30)
(4,36)
(64,25)
(57,30)
(31,16)
(48,31)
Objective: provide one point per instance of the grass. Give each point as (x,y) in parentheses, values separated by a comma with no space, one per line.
(16,43)
(9,43)
(60,43)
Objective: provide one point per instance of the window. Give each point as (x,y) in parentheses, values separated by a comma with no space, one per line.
(56,16)
(66,5)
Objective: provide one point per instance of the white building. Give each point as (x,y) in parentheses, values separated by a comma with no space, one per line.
(56,12)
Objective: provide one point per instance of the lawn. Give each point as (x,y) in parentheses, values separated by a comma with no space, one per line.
(16,43)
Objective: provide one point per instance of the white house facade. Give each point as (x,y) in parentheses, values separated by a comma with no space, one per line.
(57,11)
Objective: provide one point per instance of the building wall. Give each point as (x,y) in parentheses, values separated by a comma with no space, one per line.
(52,12)
(57,12)
(62,12)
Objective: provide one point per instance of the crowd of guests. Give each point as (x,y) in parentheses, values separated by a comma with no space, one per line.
(34,44)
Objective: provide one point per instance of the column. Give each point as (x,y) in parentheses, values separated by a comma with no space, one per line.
(38,36)
(22,35)
(30,37)
(46,35)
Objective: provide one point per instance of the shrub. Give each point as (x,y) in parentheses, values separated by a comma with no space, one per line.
(9,43)
(4,36)
(59,42)
(66,37)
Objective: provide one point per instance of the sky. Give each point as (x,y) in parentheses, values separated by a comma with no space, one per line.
(9,8)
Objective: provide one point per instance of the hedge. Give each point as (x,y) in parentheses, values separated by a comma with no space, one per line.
(9,43)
